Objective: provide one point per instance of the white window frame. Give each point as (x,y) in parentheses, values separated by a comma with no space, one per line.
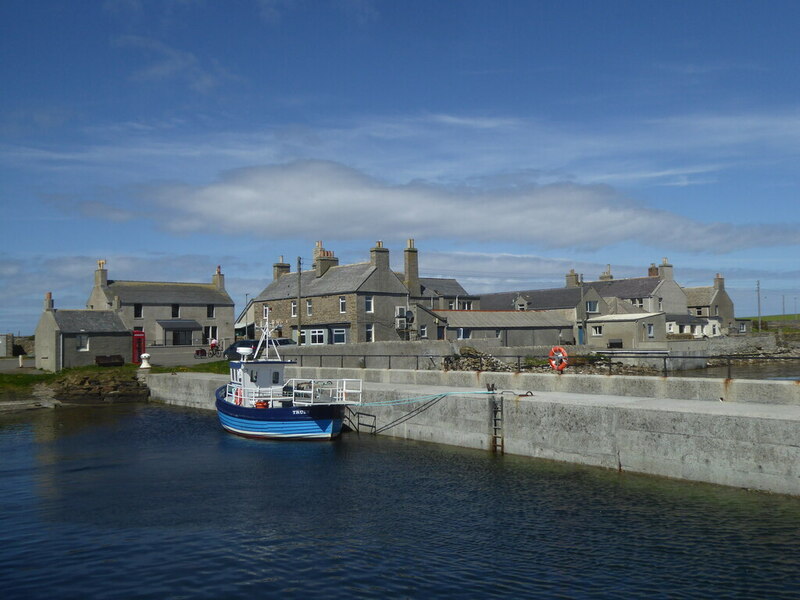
(342,304)
(638,302)
(597,330)
(742,327)
(423,331)
(464,333)
(651,330)
(342,333)
(592,306)
(660,304)
(265,311)
(369,304)
(309,308)
(301,339)
(294,308)
(369,332)
(669,327)
(82,342)
(317,337)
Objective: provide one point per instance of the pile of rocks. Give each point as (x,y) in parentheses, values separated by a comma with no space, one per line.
(470,359)
(99,388)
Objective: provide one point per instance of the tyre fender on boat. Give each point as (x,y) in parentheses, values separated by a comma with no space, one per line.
(558,358)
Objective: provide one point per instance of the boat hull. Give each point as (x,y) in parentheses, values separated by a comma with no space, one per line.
(319,422)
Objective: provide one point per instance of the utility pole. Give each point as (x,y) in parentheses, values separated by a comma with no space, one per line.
(758,294)
(299,295)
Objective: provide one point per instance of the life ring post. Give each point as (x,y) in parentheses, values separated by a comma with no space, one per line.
(558,359)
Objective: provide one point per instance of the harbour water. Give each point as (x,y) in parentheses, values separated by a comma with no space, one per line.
(147,501)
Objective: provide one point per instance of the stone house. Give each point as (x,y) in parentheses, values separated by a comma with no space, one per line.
(713,303)
(635,331)
(360,302)
(169,313)
(75,338)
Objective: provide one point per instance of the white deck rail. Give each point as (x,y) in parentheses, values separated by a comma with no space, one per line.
(301,392)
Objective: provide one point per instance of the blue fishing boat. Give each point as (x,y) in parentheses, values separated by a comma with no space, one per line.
(259,403)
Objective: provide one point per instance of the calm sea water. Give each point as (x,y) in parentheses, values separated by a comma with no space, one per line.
(155,502)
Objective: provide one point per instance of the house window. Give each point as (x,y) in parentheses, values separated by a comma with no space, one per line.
(317,337)
(638,302)
(498,333)
(209,311)
(176,311)
(467,305)
(423,331)
(742,327)
(303,337)
(669,327)
(339,336)
(209,333)
(716,310)
(451,304)
(342,304)
(597,330)
(660,304)
(266,310)
(591,306)
(309,312)
(464,333)
(369,331)
(82,342)
(368,304)
(699,311)
(294,308)
(651,330)
(137,311)
(521,306)
(713,330)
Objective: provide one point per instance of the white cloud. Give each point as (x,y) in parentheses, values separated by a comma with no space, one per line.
(282,200)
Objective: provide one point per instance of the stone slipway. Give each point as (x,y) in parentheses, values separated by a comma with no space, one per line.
(742,444)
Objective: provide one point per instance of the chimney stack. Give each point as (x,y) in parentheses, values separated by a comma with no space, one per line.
(379,256)
(606,275)
(279,268)
(411,259)
(101,274)
(573,279)
(719,282)
(218,279)
(652,270)
(48,301)
(323,260)
(665,270)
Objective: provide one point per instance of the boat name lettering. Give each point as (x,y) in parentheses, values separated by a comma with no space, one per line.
(299,412)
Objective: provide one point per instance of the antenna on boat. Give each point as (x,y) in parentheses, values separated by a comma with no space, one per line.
(266,340)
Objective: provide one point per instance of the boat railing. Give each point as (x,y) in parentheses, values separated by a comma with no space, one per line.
(248,396)
(325,391)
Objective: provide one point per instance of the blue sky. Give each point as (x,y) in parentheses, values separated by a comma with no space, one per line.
(512,140)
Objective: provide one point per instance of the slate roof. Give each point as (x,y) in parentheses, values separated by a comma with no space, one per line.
(501,319)
(685,319)
(537,299)
(155,292)
(342,279)
(440,286)
(626,317)
(89,321)
(634,287)
(699,296)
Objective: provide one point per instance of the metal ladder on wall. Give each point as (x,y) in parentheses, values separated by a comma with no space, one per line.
(496,404)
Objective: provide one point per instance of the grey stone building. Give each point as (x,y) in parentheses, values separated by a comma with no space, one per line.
(360,302)
(713,303)
(510,327)
(169,313)
(75,338)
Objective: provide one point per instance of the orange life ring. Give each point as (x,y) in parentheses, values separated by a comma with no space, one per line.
(558,358)
(238,396)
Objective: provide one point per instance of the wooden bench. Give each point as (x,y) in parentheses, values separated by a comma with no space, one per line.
(113,360)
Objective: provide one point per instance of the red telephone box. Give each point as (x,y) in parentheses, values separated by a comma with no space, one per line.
(138,347)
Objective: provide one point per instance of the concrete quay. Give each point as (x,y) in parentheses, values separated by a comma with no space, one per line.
(746,443)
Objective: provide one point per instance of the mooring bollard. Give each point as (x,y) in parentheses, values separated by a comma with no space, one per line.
(145,361)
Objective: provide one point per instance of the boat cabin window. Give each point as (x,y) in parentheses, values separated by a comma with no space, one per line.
(276,377)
